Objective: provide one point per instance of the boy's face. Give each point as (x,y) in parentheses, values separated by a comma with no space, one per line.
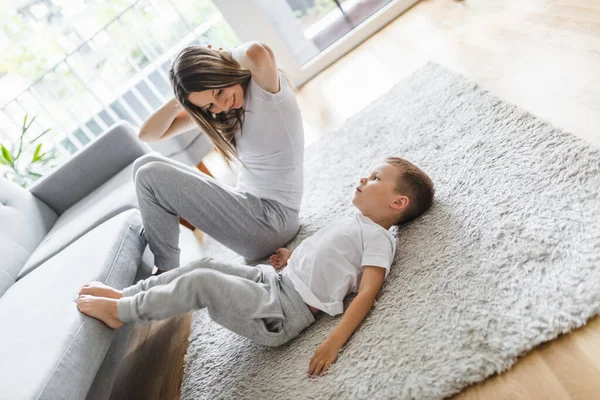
(376,194)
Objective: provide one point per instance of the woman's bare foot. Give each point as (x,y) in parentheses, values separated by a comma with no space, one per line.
(101,308)
(99,289)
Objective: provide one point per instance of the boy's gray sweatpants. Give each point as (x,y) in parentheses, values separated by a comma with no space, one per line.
(166,189)
(255,302)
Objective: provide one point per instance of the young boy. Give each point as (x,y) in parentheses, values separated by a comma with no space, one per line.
(270,308)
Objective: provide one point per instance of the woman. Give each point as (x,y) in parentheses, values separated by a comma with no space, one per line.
(246,107)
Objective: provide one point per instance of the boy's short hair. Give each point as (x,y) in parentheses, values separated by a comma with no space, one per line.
(416,185)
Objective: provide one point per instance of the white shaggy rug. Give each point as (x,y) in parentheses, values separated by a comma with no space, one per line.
(507,258)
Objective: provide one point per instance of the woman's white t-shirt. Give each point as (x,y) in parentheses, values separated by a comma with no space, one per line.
(328,266)
(271,145)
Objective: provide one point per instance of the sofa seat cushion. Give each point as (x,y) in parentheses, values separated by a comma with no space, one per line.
(24,222)
(111,198)
(176,144)
(49,350)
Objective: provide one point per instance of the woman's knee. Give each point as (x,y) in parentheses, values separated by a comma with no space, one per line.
(153,173)
(144,160)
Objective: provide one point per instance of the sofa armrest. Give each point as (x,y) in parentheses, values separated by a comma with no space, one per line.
(90,167)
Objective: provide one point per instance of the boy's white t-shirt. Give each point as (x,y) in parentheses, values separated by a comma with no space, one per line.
(328,266)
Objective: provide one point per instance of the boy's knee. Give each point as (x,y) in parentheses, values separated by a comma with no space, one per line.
(208,282)
(204,262)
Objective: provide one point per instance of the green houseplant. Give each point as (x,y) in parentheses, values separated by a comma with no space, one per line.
(23,163)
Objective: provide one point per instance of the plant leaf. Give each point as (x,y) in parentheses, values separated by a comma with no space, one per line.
(6,155)
(44,160)
(36,155)
(3,161)
(35,174)
(42,134)
(27,126)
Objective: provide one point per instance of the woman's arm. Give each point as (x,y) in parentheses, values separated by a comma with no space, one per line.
(259,59)
(327,352)
(169,120)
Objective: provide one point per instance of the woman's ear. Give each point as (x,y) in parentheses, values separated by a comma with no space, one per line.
(400,203)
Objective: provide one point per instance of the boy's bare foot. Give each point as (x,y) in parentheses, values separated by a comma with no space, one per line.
(280,258)
(101,308)
(99,289)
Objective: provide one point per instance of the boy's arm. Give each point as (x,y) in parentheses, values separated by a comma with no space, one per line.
(370,285)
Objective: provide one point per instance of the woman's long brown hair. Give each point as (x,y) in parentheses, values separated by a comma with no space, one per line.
(198,68)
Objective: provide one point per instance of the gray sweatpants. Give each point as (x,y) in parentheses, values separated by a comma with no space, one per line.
(255,302)
(166,189)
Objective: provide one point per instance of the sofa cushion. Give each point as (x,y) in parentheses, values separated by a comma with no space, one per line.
(24,221)
(111,198)
(49,350)
(90,167)
(176,144)
(194,152)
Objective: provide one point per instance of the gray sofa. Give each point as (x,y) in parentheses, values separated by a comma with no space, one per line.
(189,147)
(76,225)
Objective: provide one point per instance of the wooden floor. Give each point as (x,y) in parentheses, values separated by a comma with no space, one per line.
(542,55)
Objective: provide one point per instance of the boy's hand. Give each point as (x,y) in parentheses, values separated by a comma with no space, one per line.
(325,355)
(280,258)
(370,285)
